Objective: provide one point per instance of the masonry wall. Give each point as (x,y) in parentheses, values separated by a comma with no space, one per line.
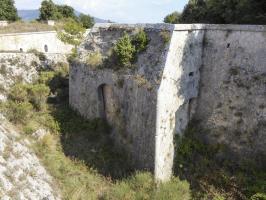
(211,76)
(179,85)
(134,90)
(231,106)
(33,40)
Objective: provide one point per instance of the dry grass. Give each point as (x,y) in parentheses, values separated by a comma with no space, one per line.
(94,60)
(20,27)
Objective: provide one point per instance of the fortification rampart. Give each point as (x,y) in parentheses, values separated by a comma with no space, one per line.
(209,75)
(46,41)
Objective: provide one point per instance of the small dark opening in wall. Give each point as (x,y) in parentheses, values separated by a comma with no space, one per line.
(46,48)
(228,45)
(21,50)
(191,74)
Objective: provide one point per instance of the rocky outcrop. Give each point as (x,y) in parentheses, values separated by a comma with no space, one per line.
(24,67)
(21,174)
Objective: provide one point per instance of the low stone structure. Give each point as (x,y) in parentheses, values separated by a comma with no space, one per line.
(46,42)
(51,22)
(3,23)
(214,74)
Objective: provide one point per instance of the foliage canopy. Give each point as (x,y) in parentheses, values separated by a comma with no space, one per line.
(222,12)
(8,10)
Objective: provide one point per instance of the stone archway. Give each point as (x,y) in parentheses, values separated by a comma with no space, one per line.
(108,103)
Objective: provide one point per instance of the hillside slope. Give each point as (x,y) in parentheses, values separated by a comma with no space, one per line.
(21,174)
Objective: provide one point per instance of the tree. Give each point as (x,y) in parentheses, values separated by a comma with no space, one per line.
(224,12)
(48,10)
(8,10)
(65,11)
(86,20)
(72,33)
(172,18)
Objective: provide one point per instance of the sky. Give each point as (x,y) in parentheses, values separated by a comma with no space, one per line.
(121,11)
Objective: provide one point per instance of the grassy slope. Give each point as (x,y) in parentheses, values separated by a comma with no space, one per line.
(79,153)
(80,156)
(21,27)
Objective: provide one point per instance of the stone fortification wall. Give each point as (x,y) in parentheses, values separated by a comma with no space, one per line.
(46,41)
(210,75)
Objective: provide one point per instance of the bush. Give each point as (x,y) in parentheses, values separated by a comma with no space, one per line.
(72,32)
(18,92)
(18,112)
(94,60)
(74,54)
(125,51)
(140,41)
(46,77)
(166,36)
(38,95)
(86,20)
(3,70)
(258,196)
(40,55)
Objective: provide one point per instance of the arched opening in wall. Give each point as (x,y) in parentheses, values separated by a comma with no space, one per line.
(107,103)
(46,48)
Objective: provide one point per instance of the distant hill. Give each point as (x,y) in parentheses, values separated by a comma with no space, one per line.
(28,15)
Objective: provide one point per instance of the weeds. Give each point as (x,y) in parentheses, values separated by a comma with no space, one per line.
(212,177)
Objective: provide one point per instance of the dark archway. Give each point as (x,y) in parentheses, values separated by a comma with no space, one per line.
(107,103)
(46,48)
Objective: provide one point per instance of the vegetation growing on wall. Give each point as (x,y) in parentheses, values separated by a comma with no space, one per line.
(125,51)
(128,47)
(94,60)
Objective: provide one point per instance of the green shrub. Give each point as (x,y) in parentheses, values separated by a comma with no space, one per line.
(74,54)
(3,70)
(18,92)
(140,41)
(18,112)
(259,196)
(40,55)
(166,36)
(46,77)
(94,60)
(125,51)
(62,68)
(38,95)
(72,32)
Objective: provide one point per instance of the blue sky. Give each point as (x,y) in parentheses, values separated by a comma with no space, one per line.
(124,11)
